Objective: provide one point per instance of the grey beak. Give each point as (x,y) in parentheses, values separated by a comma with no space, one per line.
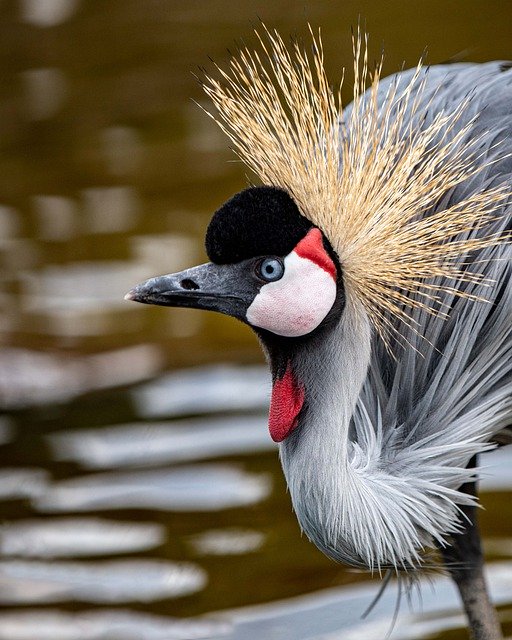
(223,288)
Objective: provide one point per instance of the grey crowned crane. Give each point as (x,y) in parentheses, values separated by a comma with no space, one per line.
(374,266)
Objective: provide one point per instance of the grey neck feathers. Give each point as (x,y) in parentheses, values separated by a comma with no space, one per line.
(316,456)
(361,500)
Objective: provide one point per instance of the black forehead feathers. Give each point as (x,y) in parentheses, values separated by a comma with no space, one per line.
(258,221)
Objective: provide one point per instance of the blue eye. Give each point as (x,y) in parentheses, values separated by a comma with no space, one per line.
(270,269)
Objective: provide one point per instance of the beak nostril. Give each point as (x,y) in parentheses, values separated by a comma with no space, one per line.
(189,284)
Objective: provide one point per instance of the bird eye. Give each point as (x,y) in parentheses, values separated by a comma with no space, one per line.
(270,269)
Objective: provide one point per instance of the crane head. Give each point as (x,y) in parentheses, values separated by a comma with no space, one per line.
(270,268)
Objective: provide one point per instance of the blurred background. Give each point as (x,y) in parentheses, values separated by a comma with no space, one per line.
(141,497)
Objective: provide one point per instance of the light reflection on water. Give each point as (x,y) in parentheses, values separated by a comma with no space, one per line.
(47,13)
(108,175)
(103,624)
(21,482)
(227,542)
(29,582)
(188,488)
(153,443)
(29,377)
(77,537)
(222,388)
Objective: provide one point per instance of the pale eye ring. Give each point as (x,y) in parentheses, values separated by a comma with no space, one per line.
(270,269)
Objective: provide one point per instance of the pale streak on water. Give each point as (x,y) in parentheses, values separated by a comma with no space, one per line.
(140,494)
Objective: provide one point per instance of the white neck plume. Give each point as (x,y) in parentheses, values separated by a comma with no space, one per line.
(358,501)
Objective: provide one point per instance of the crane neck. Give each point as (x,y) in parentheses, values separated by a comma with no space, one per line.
(316,384)
(362,497)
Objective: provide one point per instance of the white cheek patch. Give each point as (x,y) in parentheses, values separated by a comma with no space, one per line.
(297,303)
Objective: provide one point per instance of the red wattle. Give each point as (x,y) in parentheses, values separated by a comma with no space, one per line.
(285,405)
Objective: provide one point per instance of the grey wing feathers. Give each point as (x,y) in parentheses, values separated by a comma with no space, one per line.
(451,387)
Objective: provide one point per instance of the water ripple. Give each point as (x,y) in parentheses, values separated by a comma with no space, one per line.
(227,542)
(22,482)
(222,388)
(164,442)
(191,488)
(75,537)
(114,624)
(101,582)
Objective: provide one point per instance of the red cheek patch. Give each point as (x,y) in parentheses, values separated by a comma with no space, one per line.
(312,248)
(285,405)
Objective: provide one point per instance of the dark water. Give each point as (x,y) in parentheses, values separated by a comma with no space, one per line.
(141,496)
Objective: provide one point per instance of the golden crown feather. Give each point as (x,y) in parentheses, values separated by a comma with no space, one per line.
(363,175)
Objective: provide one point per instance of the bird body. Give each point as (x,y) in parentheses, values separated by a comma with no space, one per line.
(403,424)
(374,266)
